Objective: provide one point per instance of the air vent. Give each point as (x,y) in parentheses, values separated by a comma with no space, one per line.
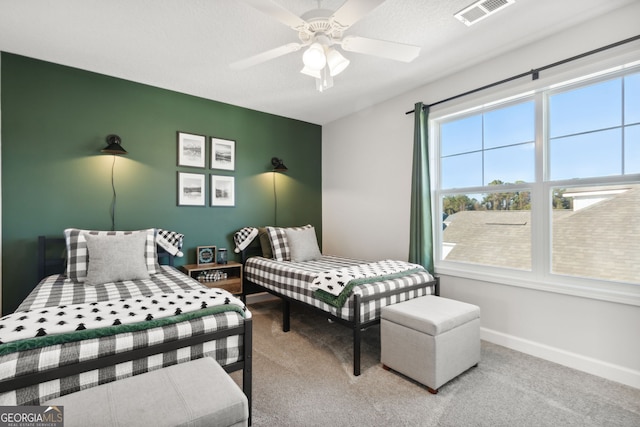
(480,10)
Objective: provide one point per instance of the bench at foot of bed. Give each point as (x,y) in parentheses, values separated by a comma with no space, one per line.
(196,393)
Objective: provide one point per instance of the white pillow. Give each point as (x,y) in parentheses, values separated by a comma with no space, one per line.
(116,258)
(303,244)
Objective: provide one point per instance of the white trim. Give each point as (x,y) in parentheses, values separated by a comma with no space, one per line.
(621,293)
(589,365)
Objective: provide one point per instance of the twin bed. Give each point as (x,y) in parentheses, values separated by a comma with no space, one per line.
(70,335)
(76,330)
(286,263)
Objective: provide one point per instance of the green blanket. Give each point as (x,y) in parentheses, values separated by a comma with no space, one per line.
(31,343)
(338,301)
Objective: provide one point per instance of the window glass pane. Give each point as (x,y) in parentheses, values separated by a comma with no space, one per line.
(510,164)
(593,107)
(588,155)
(461,136)
(632,150)
(462,171)
(632,99)
(595,232)
(489,229)
(508,126)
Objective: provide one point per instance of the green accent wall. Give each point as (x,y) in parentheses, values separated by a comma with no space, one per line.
(54,123)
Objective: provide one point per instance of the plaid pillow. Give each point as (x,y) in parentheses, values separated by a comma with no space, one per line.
(78,255)
(279,243)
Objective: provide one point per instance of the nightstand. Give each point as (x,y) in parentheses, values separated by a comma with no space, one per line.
(233,270)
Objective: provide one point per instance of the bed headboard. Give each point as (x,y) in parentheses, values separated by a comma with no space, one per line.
(253,249)
(52,256)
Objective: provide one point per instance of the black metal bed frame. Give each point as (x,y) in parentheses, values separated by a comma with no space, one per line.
(356,325)
(55,265)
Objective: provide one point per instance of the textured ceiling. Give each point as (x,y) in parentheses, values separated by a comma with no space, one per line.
(187,46)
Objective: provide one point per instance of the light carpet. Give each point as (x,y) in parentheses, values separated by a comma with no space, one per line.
(305,378)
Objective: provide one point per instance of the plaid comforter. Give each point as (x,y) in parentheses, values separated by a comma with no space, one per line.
(294,280)
(55,291)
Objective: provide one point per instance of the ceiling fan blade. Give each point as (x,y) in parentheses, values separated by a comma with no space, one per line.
(273,9)
(265,56)
(391,50)
(354,10)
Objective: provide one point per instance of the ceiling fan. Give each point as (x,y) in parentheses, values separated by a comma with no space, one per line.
(320,30)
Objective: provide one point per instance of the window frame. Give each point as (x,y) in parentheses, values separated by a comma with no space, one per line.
(540,277)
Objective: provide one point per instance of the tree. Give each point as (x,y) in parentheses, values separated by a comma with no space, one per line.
(457,203)
(561,202)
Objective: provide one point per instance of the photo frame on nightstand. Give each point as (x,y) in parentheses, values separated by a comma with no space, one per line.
(205,255)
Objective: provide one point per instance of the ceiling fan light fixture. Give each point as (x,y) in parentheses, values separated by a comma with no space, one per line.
(325,81)
(337,63)
(312,73)
(314,58)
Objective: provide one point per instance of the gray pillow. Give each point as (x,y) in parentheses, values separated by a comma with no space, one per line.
(303,244)
(116,258)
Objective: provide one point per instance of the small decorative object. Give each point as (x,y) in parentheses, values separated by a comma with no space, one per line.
(223,154)
(191,189)
(222,256)
(211,276)
(206,254)
(191,150)
(222,190)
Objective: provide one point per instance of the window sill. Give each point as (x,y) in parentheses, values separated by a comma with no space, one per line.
(622,293)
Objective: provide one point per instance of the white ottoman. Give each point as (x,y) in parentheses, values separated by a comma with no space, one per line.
(430,339)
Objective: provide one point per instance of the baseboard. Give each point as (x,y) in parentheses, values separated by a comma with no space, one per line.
(582,363)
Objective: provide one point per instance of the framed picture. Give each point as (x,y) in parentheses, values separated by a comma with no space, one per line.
(206,254)
(191,150)
(191,189)
(223,190)
(223,154)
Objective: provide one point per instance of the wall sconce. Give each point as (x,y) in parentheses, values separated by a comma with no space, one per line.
(114,147)
(278,165)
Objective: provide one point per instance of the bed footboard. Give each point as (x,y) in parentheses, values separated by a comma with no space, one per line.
(245,330)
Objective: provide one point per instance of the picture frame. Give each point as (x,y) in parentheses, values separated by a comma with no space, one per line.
(191,150)
(206,255)
(223,190)
(191,189)
(223,154)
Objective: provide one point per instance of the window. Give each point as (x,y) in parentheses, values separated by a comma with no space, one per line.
(497,145)
(546,186)
(592,127)
(595,232)
(490,229)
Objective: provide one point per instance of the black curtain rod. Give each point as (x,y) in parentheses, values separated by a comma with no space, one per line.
(534,73)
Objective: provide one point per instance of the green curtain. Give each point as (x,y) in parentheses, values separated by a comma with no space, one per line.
(420,227)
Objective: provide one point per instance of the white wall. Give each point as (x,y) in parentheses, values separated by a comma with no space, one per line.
(366,173)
